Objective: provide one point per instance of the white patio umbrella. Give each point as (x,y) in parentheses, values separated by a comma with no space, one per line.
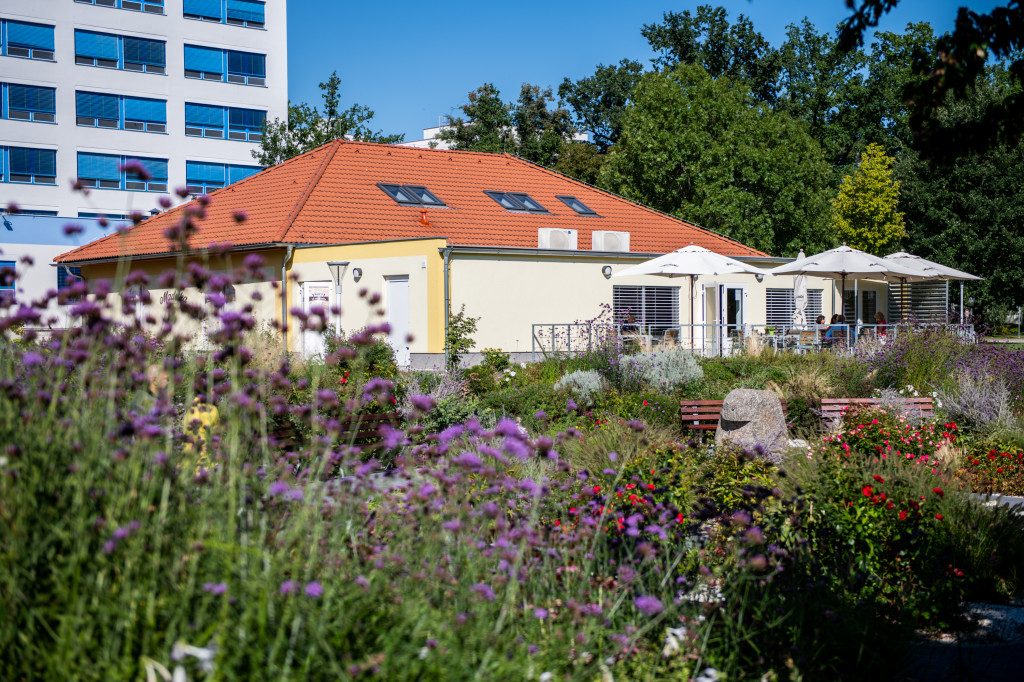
(690,261)
(931,270)
(800,295)
(844,263)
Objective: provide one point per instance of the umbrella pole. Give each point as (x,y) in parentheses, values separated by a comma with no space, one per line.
(691,311)
(963,318)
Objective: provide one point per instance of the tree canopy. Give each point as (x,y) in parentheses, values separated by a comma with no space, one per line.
(526,128)
(308,128)
(707,151)
(865,214)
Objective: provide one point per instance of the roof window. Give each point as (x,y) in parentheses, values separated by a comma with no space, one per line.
(577,205)
(413,195)
(516,201)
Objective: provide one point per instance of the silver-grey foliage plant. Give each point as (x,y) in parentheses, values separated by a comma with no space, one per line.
(584,384)
(978,400)
(664,370)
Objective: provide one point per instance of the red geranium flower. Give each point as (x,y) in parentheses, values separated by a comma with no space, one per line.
(879,478)
(938,491)
(903,515)
(867,491)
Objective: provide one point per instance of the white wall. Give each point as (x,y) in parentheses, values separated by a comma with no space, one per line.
(63,74)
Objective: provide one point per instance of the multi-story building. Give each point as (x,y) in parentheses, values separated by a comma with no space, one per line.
(182,87)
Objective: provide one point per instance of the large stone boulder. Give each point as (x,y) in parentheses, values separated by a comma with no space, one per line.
(752,418)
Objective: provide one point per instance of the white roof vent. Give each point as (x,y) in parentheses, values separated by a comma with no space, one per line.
(603,240)
(554,238)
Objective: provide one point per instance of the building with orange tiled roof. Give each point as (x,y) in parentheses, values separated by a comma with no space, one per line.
(432,231)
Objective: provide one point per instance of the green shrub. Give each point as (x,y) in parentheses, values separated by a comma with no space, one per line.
(480,379)
(585,386)
(495,359)
(449,412)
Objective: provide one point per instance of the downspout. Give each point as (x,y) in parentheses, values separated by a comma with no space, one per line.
(446,253)
(284,296)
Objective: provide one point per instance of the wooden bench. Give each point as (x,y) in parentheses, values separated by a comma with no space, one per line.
(362,430)
(833,408)
(704,415)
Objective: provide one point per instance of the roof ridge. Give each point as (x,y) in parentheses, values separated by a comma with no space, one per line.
(310,186)
(619,197)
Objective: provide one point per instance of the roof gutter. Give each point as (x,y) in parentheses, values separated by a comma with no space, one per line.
(284,296)
(579,254)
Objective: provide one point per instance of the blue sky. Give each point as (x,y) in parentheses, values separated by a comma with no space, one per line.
(412,62)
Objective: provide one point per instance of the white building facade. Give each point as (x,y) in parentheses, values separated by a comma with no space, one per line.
(97,89)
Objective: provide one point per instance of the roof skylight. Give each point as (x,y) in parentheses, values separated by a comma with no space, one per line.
(577,205)
(517,201)
(411,195)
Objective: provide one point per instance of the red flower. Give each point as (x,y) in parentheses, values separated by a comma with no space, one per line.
(903,515)
(650,486)
(867,491)
(597,489)
(879,478)
(938,491)
(938,516)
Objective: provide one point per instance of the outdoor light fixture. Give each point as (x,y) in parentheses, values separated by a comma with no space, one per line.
(357,274)
(759,278)
(607,271)
(154,211)
(338,268)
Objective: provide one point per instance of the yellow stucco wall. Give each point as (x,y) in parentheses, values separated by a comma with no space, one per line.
(417,258)
(266,309)
(511,293)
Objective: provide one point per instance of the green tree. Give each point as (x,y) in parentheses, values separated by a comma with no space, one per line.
(459,336)
(957,64)
(308,128)
(736,51)
(580,160)
(487,125)
(599,101)
(866,212)
(968,215)
(706,151)
(540,132)
(527,128)
(824,87)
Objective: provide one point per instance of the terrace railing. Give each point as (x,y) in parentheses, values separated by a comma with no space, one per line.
(573,338)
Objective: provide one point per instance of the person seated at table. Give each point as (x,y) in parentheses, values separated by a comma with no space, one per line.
(838,332)
(880,323)
(629,325)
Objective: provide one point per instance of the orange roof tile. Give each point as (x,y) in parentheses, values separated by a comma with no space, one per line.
(330,196)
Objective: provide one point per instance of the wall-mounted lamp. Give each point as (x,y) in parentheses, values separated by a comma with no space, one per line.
(338,268)
(607,271)
(759,278)
(357,274)
(154,211)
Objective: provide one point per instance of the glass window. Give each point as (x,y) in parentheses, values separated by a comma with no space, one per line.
(96,49)
(204,9)
(31,103)
(528,203)
(99,170)
(144,55)
(37,166)
(33,41)
(204,62)
(203,178)
(516,201)
(149,115)
(411,194)
(781,306)
(245,13)
(156,169)
(649,309)
(246,68)
(8,276)
(576,205)
(96,109)
(246,124)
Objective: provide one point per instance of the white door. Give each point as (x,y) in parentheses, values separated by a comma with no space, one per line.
(710,335)
(397,303)
(732,299)
(316,296)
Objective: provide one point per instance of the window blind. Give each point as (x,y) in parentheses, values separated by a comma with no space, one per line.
(655,308)
(247,118)
(95,45)
(95,105)
(247,63)
(98,166)
(204,8)
(141,109)
(204,115)
(32,98)
(30,35)
(245,10)
(236,173)
(143,51)
(25,161)
(157,168)
(198,172)
(203,59)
